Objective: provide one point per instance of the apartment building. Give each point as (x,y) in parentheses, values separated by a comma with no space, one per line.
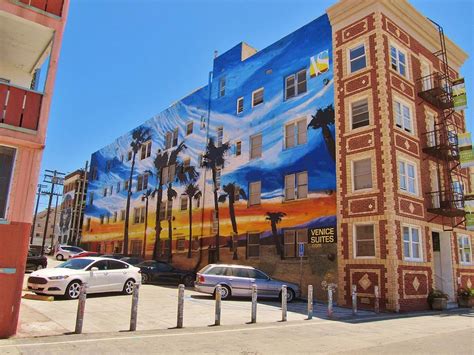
(31,35)
(52,232)
(331,158)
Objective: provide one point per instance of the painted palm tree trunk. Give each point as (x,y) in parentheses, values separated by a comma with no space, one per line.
(159,198)
(216,212)
(190,213)
(127,207)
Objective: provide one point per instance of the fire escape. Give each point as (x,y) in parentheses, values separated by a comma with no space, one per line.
(441,143)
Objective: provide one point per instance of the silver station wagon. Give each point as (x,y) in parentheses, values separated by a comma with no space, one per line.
(237,280)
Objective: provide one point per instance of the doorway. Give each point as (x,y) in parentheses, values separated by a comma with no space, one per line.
(443,263)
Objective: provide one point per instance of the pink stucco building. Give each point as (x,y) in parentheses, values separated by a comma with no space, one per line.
(30,40)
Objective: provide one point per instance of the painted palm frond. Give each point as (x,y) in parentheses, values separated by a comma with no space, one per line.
(322,120)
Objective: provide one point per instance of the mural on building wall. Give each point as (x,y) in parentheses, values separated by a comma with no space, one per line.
(236,168)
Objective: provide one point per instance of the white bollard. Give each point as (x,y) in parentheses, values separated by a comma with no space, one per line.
(134,312)
(81,306)
(310,301)
(284,299)
(180,306)
(218,305)
(330,311)
(254,304)
(354,300)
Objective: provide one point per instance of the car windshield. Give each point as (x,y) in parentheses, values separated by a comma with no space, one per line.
(76,264)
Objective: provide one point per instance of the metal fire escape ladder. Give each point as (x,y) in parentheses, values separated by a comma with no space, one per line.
(442,143)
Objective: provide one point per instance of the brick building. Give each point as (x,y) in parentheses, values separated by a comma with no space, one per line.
(341,136)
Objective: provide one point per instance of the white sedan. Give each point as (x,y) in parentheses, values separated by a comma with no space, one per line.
(100,274)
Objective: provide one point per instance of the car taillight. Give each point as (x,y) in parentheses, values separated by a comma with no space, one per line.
(200,279)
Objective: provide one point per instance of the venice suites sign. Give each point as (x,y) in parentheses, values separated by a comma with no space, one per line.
(322,235)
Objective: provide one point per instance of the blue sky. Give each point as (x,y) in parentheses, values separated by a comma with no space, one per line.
(124,61)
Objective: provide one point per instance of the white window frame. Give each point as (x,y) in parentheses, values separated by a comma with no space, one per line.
(353,176)
(252,146)
(354,240)
(296,187)
(9,187)
(397,59)
(295,84)
(296,135)
(406,178)
(253,96)
(351,109)
(239,100)
(410,236)
(403,104)
(462,238)
(349,60)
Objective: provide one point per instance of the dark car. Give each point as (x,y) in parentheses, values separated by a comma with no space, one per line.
(36,262)
(161,272)
(133,260)
(113,256)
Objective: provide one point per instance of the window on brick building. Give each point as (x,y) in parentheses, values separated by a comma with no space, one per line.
(407,177)
(398,60)
(296,186)
(411,243)
(295,84)
(256,146)
(364,240)
(403,116)
(357,59)
(291,239)
(465,249)
(296,133)
(257,97)
(362,174)
(253,245)
(255,193)
(360,113)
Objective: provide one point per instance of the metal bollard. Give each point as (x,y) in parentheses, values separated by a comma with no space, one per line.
(218,306)
(330,312)
(180,306)
(376,301)
(81,306)
(254,304)
(310,301)
(354,300)
(134,312)
(284,307)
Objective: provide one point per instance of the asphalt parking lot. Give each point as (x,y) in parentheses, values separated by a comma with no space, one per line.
(157,309)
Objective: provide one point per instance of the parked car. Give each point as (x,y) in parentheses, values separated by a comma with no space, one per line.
(114,256)
(84,254)
(237,280)
(161,272)
(101,275)
(64,252)
(35,261)
(133,260)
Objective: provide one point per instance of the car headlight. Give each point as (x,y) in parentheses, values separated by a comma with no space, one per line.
(58,277)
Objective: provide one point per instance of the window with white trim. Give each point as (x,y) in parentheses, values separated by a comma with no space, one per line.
(240,105)
(253,245)
(145,150)
(362,174)
(256,146)
(296,186)
(291,239)
(222,86)
(398,60)
(360,113)
(465,249)
(295,84)
(357,59)
(257,97)
(403,116)
(7,159)
(255,193)
(364,240)
(296,133)
(407,177)
(139,215)
(411,243)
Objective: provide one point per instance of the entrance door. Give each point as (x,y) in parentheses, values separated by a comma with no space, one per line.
(443,263)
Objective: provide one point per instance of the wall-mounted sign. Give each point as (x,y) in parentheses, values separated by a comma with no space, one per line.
(459,94)
(319,64)
(466,153)
(322,235)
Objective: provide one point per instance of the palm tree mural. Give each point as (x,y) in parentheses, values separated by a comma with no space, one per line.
(275,218)
(171,194)
(193,192)
(322,120)
(231,192)
(139,136)
(145,197)
(164,160)
(214,159)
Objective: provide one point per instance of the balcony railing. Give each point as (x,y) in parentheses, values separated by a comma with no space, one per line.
(435,89)
(439,146)
(19,107)
(54,7)
(446,203)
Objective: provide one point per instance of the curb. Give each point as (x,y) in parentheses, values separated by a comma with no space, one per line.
(30,296)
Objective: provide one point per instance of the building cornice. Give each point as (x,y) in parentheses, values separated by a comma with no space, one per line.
(344,12)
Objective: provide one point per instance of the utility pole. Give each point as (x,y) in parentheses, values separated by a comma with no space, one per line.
(39,193)
(82,198)
(54,222)
(54,179)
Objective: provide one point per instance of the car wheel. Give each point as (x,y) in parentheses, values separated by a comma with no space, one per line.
(59,257)
(128,287)
(188,281)
(145,278)
(38,267)
(225,292)
(290,295)
(73,290)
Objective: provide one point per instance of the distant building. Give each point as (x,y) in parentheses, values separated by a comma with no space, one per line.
(52,233)
(31,34)
(72,208)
